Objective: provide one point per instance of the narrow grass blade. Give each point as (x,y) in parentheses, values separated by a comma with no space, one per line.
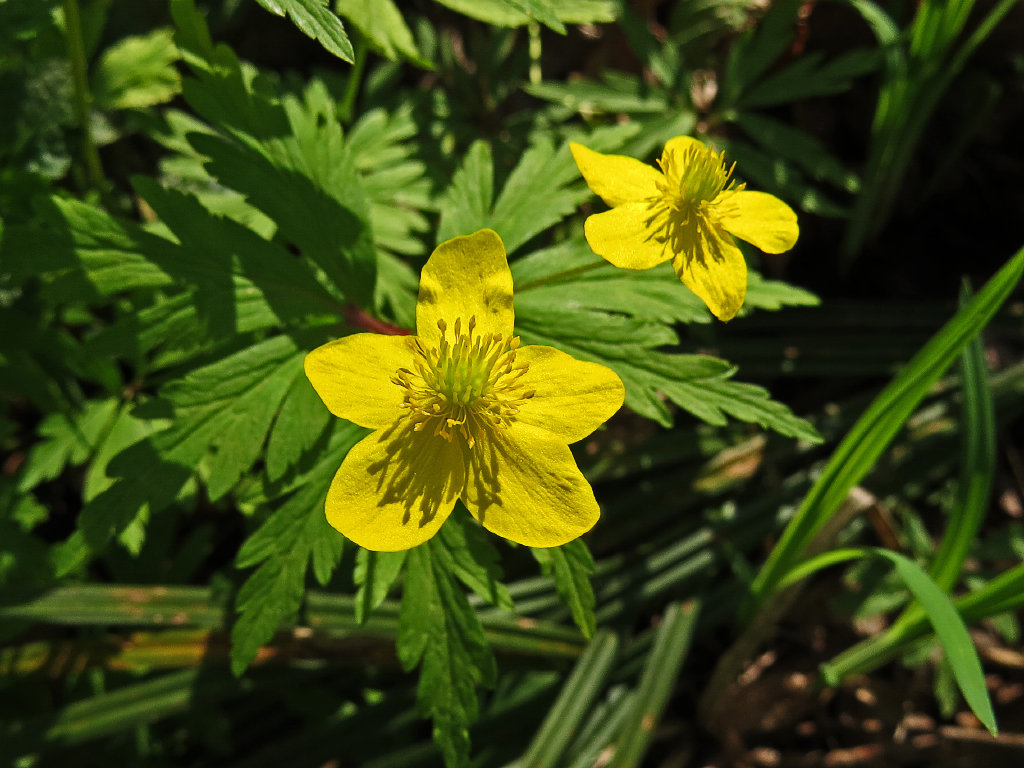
(670,646)
(578,695)
(977,470)
(941,614)
(1003,594)
(869,437)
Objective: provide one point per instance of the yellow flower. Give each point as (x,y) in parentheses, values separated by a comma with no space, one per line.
(462,411)
(687,213)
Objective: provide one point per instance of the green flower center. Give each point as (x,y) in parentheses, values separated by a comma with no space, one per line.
(467,386)
(693,178)
(693,195)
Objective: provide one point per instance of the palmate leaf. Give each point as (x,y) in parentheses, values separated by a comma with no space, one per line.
(295,537)
(224,409)
(439,630)
(536,196)
(285,154)
(315,19)
(566,298)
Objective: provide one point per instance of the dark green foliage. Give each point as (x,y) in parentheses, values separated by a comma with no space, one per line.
(192,198)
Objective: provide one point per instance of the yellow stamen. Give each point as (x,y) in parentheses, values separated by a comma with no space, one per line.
(465,388)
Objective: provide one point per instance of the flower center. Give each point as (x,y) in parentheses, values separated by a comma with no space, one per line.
(467,386)
(693,178)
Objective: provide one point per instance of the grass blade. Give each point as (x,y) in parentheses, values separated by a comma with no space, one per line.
(869,437)
(670,646)
(578,695)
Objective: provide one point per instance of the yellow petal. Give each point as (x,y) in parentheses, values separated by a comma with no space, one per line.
(395,488)
(761,219)
(616,179)
(718,275)
(527,488)
(466,277)
(353,377)
(679,145)
(626,238)
(571,398)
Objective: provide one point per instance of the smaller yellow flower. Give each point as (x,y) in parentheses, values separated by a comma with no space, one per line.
(688,212)
(462,411)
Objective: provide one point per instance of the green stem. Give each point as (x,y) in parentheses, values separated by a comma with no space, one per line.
(82,96)
(355,79)
(559,276)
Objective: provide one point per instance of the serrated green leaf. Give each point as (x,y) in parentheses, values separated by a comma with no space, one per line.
(439,630)
(714,397)
(66,439)
(137,72)
(381,23)
(566,297)
(316,20)
(208,404)
(375,574)
(382,146)
(508,14)
(294,536)
(298,426)
(799,147)
(468,553)
(808,77)
(571,566)
(309,188)
(536,195)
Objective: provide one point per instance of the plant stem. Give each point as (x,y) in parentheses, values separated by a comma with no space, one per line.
(355,79)
(82,96)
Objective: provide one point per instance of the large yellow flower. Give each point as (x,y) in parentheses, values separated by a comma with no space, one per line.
(462,411)
(688,213)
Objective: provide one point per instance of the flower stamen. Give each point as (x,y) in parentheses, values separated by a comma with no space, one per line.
(466,387)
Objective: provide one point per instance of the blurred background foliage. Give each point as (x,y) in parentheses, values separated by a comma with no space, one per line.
(194,194)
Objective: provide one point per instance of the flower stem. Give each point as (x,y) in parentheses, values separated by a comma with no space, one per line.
(559,276)
(82,96)
(355,78)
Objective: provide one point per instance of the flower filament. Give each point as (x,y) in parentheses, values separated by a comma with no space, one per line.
(468,386)
(693,195)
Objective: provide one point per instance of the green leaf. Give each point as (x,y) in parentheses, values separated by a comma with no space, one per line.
(579,694)
(567,297)
(382,147)
(137,72)
(225,407)
(317,21)
(504,13)
(66,439)
(375,574)
(714,397)
(571,566)
(294,536)
(298,426)
(942,615)
(468,553)
(871,435)
(381,23)
(307,185)
(661,670)
(622,94)
(439,630)
(536,195)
